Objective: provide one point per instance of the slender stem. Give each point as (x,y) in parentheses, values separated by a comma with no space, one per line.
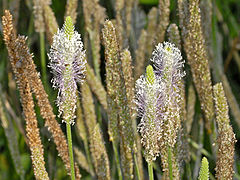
(69,138)
(117,160)
(43,58)
(30,30)
(189,174)
(196,146)
(150,171)
(170,163)
(137,169)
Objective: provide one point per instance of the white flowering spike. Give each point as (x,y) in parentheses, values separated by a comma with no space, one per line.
(149,99)
(168,62)
(157,100)
(67,62)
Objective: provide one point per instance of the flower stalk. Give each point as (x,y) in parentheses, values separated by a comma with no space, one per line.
(170,163)
(67,61)
(43,58)
(150,171)
(158,103)
(69,139)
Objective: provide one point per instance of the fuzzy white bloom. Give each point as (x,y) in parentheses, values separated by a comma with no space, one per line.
(168,62)
(149,100)
(157,100)
(67,61)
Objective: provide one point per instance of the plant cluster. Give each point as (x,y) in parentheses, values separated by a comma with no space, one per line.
(138,96)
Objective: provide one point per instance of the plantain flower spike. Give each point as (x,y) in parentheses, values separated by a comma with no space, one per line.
(168,62)
(67,62)
(148,101)
(226,138)
(157,100)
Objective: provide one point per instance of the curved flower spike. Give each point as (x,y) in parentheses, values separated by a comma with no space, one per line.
(67,61)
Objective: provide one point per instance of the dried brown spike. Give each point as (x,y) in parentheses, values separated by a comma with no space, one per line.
(50,23)
(126,60)
(165,164)
(119,6)
(233,104)
(96,86)
(191,100)
(71,10)
(17,53)
(140,54)
(206,17)
(80,125)
(183,14)
(88,108)
(164,12)
(226,137)
(8,32)
(38,14)
(82,161)
(116,92)
(174,35)
(99,154)
(94,15)
(151,31)
(112,56)
(198,59)
(128,77)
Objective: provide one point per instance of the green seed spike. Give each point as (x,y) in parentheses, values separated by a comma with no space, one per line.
(204,171)
(150,75)
(69,27)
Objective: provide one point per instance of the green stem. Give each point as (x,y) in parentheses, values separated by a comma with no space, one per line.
(69,138)
(150,171)
(203,151)
(170,163)
(117,160)
(189,174)
(137,169)
(43,58)
(30,30)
